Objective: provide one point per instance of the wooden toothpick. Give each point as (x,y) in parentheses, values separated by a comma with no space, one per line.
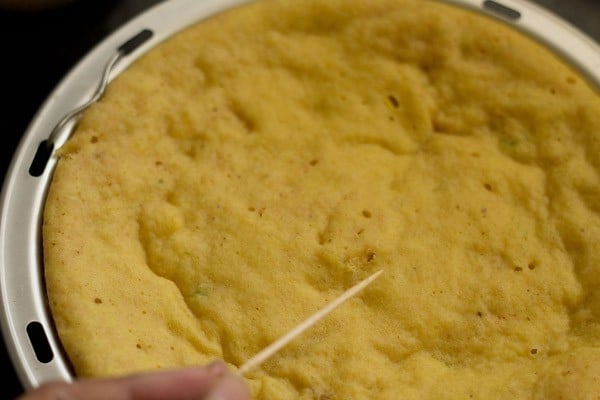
(310,321)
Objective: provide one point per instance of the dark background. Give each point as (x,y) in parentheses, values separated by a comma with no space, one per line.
(37,48)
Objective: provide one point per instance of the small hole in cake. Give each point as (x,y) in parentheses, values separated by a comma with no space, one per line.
(370,256)
(487,187)
(98,300)
(531,266)
(393,101)
(366,213)
(314,162)
(251,209)
(94,139)
(518,269)
(438,126)
(533,351)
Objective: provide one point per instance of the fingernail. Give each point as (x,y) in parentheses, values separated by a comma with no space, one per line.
(230,387)
(217,368)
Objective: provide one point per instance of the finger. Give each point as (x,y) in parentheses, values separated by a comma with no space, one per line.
(187,384)
(229,387)
(182,384)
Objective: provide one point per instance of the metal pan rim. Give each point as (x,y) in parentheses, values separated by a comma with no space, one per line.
(22,301)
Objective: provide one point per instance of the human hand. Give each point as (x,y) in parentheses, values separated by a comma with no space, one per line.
(213,382)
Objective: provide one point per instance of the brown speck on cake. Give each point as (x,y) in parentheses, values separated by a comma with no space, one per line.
(370,256)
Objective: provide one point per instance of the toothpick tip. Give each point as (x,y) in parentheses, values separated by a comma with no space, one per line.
(373,277)
(275,346)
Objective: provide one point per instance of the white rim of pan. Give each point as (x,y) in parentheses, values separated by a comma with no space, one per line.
(26,324)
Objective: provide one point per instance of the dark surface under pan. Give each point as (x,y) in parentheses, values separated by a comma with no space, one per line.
(39,48)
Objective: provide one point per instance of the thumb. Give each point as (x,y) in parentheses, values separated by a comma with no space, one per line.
(229,387)
(179,384)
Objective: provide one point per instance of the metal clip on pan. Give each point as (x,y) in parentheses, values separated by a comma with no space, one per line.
(45,149)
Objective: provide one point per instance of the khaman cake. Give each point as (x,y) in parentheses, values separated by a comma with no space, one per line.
(248,170)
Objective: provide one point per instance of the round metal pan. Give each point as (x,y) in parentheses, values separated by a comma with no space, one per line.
(25,320)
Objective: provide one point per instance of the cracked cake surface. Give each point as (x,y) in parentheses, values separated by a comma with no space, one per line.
(249,169)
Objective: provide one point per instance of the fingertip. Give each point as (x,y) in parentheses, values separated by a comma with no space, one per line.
(181,383)
(217,368)
(230,387)
(48,390)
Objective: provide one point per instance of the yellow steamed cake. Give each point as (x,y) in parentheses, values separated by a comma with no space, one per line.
(251,168)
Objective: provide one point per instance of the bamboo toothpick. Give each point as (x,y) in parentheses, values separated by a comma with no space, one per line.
(271,349)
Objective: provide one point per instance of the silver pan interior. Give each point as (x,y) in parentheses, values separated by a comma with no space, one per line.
(26,324)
